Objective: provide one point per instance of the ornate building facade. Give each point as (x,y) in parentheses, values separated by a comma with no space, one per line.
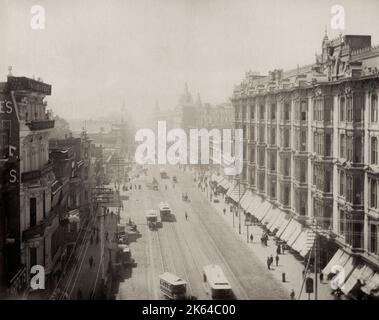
(311,142)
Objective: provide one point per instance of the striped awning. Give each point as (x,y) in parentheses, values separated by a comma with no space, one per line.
(328,268)
(253,205)
(372,285)
(276,216)
(262,210)
(361,273)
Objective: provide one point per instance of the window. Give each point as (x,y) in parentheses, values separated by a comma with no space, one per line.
(273,136)
(273,111)
(304,110)
(349,148)
(349,107)
(33,211)
(328,145)
(373,239)
(261,111)
(342,223)
(358,107)
(342,109)
(374,108)
(342,146)
(342,183)
(374,150)
(252,112)
(33,256)
(286,112)
(286,138)
(373,194)
(358,149)
(303,140)
(4,144)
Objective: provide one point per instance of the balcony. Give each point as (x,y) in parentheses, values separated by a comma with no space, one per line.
(36,174)
(41,124)
(39,230)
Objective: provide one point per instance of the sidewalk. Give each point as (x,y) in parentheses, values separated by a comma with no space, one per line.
(288,263)
(88,279)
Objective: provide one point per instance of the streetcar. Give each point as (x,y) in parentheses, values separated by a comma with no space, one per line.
(172,286)
(152,219)
(165,211)
(217,282)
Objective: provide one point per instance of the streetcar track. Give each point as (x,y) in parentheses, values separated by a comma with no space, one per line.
(204,226)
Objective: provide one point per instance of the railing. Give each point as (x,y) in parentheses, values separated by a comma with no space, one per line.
(36,174)
(39,229)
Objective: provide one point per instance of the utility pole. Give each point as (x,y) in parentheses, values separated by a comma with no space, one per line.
(239,200)
(315,262)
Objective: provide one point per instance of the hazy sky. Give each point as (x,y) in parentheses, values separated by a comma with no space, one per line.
(97,53)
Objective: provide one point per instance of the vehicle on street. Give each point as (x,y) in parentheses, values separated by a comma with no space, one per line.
(172,286)
(152,219)
(217,282)
(165,211)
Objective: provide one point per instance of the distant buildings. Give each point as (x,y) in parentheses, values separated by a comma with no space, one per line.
(311,145)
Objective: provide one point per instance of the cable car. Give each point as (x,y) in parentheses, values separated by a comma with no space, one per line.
(172,286)
(217,281)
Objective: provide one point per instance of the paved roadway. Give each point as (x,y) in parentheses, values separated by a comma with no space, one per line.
(185,246)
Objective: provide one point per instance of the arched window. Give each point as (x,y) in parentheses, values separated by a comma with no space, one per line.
(374,108)
(374,150)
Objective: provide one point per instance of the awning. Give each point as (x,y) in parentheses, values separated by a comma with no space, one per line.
(286,221)
(245,198)
(253,205)
(300,241)
(277,215)
(361,273)
(218,179)
(291,232)
(327,270)
(311,237)
(267,218)
(235,193)
(225,184)
(293,237)
(279,221)
(262,210)
(372,285)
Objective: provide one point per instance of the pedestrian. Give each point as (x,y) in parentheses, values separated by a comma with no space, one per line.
(292,294)
(186,215)
(251,238)
(278,249)
(90,261)
(283,248)
(268,263)
(277,259)
(271,260)
(224,211)
(106,236)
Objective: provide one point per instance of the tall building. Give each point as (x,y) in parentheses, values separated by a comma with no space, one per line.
(29,220)
(311,144)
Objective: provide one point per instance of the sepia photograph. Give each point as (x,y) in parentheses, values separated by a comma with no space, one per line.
(206,151)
